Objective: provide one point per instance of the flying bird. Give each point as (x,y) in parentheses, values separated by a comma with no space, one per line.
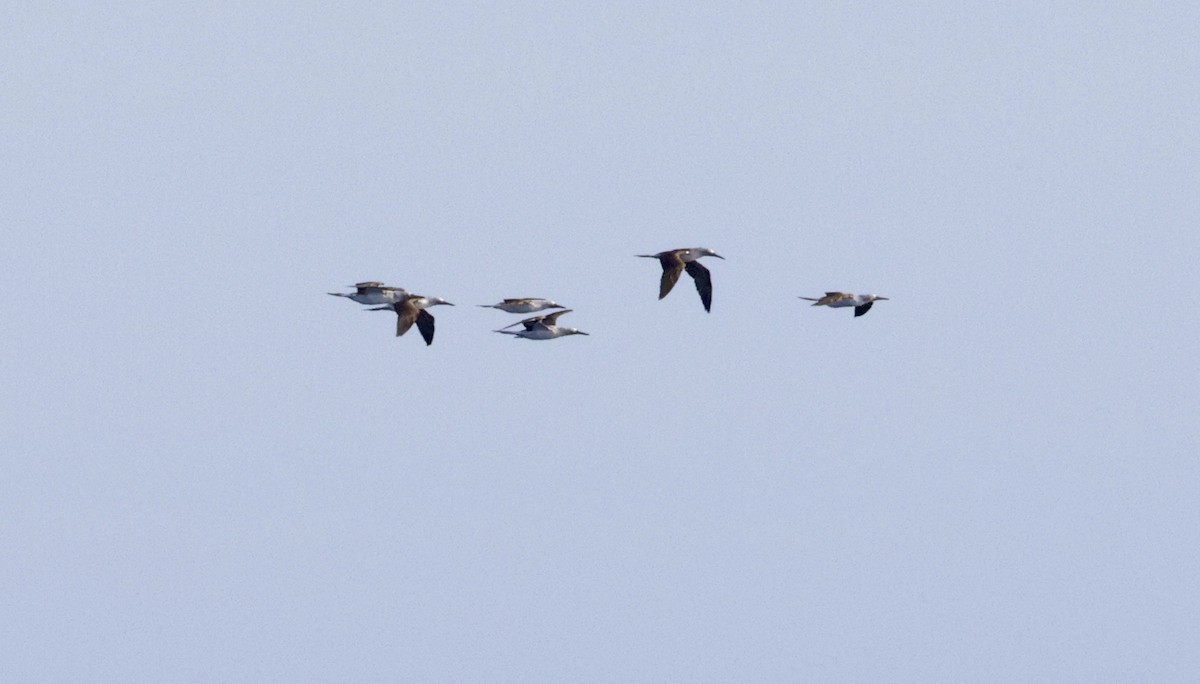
(524,305)
(541,327)
(372,292)
(676,261)
(861,302)
(411,310)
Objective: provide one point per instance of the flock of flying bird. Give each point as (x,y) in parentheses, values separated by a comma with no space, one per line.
(413,308)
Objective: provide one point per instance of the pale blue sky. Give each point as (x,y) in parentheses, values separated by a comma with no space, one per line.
(215,472)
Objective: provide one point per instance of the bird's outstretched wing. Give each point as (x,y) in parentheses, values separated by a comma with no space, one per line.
(544,321)
(528,323)
(403,323)
(406,315)
(703,282)
(860,310)
(672,267)
(552,319)
(425,326)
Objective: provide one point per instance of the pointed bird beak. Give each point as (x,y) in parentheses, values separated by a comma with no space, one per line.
(718,256)
(881,298)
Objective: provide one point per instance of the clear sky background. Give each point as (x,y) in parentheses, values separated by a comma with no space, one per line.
(214,472)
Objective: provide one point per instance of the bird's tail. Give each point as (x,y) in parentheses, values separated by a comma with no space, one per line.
(486,306)
(811,299)
(338,294)
(380,308)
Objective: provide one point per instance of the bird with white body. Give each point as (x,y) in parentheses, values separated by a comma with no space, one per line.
(524,305)
(372,292)
(836,300)
(541,328)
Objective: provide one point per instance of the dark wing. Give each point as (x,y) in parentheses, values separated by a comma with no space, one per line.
(703,282)
(672,267)
(425,325)
(406,316)
(860,310)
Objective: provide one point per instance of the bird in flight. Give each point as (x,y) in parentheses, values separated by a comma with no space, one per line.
(541,327)
(677,261)
(524,305)
(372,292)
(412,309)
(861,302)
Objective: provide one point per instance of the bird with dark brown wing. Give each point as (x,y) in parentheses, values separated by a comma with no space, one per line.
(412,309)
(677,261)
